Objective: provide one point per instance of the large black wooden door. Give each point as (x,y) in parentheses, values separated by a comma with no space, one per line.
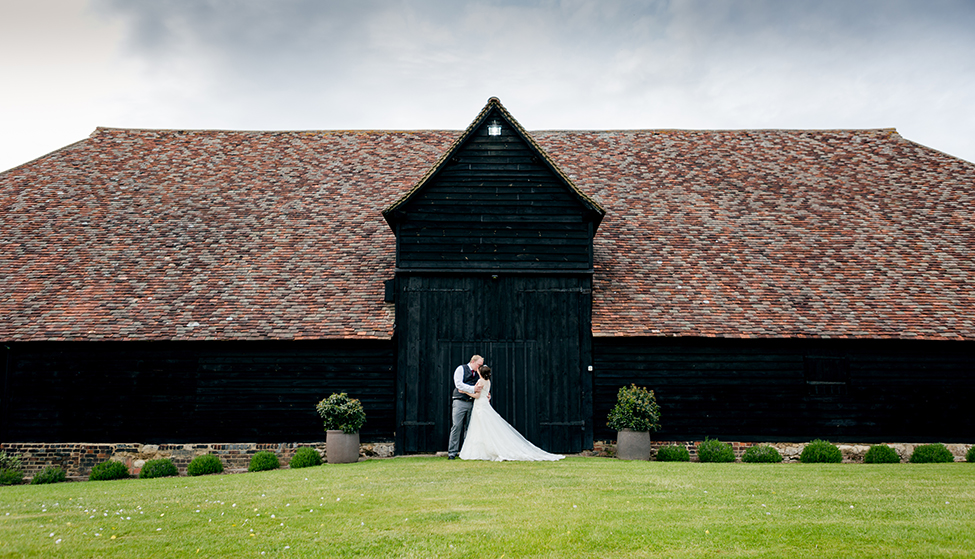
(533,332)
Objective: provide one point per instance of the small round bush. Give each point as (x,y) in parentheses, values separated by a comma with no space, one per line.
(110,469)
(970,455)
(820,451)
(162,467)
(673,453)
(305,457)
(51,474)
(636,408)
(762,453)
(931,454)
(264,460)
(10,476)
(713,450)
(881,454)
(204,464)
(10,461)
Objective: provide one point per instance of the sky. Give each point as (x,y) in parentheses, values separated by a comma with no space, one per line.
(69,66)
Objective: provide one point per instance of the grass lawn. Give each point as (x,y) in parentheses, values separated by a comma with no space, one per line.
(579,507)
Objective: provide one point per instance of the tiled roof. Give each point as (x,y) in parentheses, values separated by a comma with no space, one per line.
(137,234)
(840,234)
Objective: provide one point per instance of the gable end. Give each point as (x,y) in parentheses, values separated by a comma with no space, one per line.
(495,201)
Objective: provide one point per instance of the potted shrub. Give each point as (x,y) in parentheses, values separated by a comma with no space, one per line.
(343,417)
(635,414)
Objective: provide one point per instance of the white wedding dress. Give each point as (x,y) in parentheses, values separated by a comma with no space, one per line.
(490,437)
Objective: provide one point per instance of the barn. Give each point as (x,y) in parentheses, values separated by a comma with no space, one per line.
(187,286)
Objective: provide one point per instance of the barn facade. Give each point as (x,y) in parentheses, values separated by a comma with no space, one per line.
(202,286)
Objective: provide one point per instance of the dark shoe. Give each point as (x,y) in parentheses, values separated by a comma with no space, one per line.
(451,458)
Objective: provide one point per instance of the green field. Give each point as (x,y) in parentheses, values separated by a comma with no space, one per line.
(579,507)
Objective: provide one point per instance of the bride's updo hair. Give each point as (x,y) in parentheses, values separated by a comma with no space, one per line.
(485,372)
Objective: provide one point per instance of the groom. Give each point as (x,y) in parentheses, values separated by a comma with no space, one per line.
(465,377)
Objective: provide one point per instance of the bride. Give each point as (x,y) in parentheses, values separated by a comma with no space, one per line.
(490,437)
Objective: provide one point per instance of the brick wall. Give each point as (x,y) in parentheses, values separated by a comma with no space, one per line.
(77,459)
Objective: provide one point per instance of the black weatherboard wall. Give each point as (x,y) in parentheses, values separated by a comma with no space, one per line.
(794,389)
(494,257)
(207,391)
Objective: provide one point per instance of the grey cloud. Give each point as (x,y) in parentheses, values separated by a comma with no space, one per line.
(684,63)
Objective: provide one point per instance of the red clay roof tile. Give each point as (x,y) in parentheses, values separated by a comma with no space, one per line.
(147,234)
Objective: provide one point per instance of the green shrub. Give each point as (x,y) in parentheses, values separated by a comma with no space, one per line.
(10,461)
(204,464)
(110,469)
(9,476)
(970,455)
(881,454)
(51,474)
(713,450)
(264,460)
(11,469)
(340,412)
(305,457)
(820,451)
(673,453)
(931,454)
(762,453)
(636,408)
(162,467)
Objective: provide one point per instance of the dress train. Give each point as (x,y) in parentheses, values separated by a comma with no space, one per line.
(490,437)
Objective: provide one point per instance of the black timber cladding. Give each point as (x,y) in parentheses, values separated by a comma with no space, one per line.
(793,389)
(494,257)
(532,330)
(495,202)
(191,392)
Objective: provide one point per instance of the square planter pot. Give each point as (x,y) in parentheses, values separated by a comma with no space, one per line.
(341,448)
(633,445)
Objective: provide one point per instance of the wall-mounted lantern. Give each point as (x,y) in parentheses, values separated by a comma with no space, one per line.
(494,128)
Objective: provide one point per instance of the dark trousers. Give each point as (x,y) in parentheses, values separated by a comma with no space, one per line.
(460,417)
